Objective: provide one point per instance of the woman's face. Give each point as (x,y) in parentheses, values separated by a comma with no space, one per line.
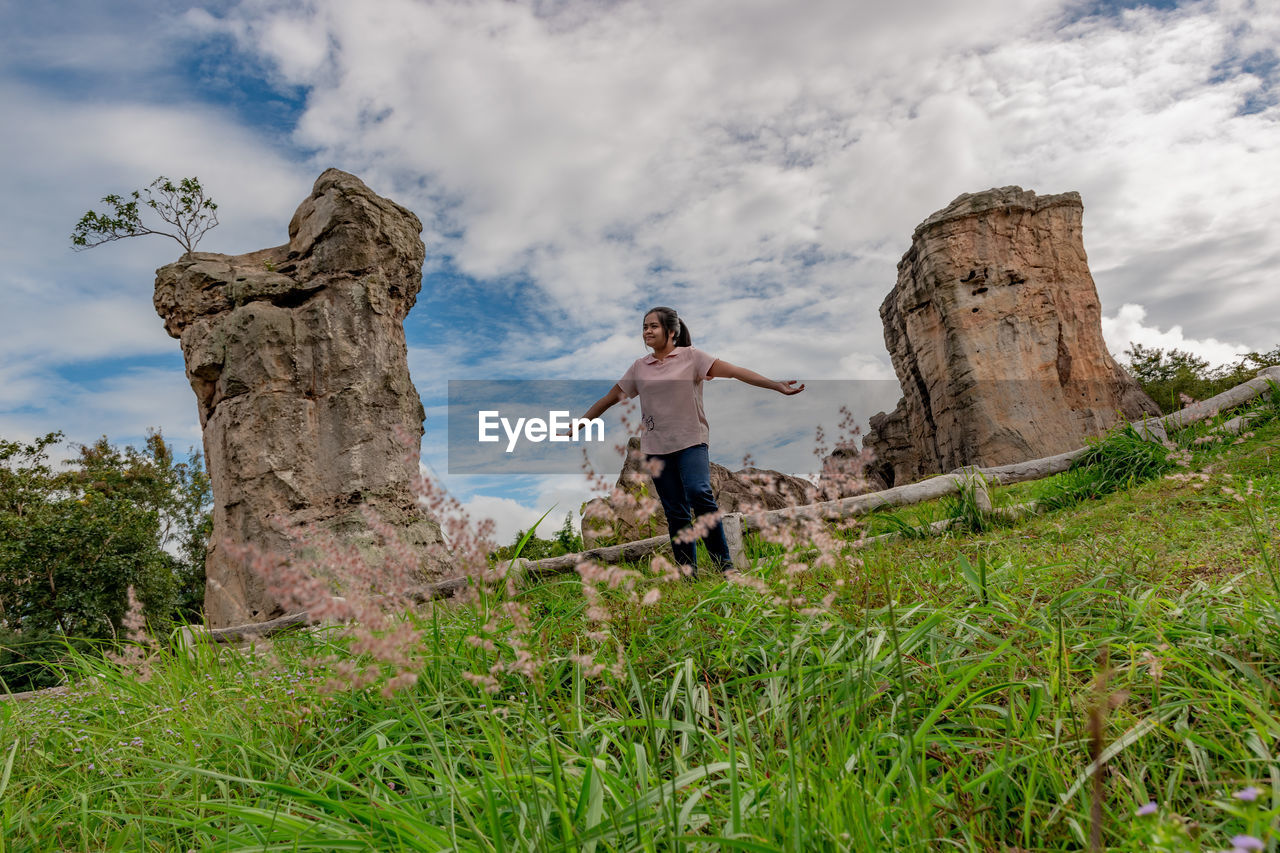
(655,337)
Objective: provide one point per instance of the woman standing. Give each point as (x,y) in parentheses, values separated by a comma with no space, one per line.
(675,431)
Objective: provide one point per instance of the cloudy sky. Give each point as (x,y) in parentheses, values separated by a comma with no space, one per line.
(758,164)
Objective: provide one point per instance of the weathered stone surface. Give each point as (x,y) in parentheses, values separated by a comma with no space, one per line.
(746,490)
(297,358)
(994,328)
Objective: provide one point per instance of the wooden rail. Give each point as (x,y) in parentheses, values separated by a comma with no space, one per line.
(972,477)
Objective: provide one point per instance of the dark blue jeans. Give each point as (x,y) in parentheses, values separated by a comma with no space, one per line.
(684,487)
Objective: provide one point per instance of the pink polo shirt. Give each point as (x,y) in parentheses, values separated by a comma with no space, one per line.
(670,399)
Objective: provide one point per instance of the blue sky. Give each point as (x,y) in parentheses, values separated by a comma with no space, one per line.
(758,165)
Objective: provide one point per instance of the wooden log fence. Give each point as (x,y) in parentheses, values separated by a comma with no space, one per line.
(976,478)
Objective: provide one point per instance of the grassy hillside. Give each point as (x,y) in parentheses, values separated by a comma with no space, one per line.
(1103,675)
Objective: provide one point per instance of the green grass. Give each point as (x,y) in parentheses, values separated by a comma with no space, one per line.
(942,703)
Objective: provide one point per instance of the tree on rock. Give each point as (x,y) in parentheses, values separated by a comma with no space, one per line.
(183,206)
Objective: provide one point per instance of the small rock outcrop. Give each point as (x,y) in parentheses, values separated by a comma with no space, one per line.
(612,521)
(297,358)
(995,331)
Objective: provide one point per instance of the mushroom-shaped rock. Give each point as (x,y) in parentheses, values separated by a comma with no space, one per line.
(297,358)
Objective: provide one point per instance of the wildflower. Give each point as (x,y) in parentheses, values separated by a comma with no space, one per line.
(590,668)
(485,682)
(1248,794)
(1149,808)
(135,657)
(1153,663)
(1242,843)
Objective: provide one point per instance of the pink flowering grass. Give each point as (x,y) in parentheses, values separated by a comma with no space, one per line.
(140,645)
(911,711)
(378,604)
(878,700)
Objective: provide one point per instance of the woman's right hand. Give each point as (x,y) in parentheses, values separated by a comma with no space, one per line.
(788,387)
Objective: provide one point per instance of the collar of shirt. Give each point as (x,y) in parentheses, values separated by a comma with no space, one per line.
(652,359)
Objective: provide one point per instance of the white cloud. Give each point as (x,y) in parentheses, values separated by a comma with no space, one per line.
(121,406)
(1127,327)
(85,327)
(758,165)
(65,308)
(555,496)
(701,153)
(88,37)
(256,186)
(509,516)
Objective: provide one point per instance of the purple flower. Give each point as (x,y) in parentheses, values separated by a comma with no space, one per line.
(1149,808)
(1243,843)
(1249,794)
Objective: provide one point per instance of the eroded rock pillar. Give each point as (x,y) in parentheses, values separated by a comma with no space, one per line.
(995,331)
(297,358)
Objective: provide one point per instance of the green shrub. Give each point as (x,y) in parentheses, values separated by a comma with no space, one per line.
(73,541)
(1118,461)
(1170,378)
(529,546)
(33,660)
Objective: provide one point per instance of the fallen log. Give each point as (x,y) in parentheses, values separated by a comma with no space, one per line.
(1229,399)
(610,554)
(24,695)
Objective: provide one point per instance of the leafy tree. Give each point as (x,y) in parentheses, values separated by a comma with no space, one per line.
(182,206)
(180,493)
(535,547)
(1170,378)
(73,541)
(1167,377)
(565,541)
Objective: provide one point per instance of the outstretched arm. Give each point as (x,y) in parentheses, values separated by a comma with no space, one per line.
(721,369)
(599,407)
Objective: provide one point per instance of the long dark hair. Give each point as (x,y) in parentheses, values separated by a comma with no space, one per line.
(673,325)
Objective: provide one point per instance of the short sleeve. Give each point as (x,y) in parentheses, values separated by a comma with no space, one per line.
(628,382)
(702,362)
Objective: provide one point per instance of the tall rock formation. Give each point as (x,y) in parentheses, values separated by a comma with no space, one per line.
(297,358)
(995,332)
